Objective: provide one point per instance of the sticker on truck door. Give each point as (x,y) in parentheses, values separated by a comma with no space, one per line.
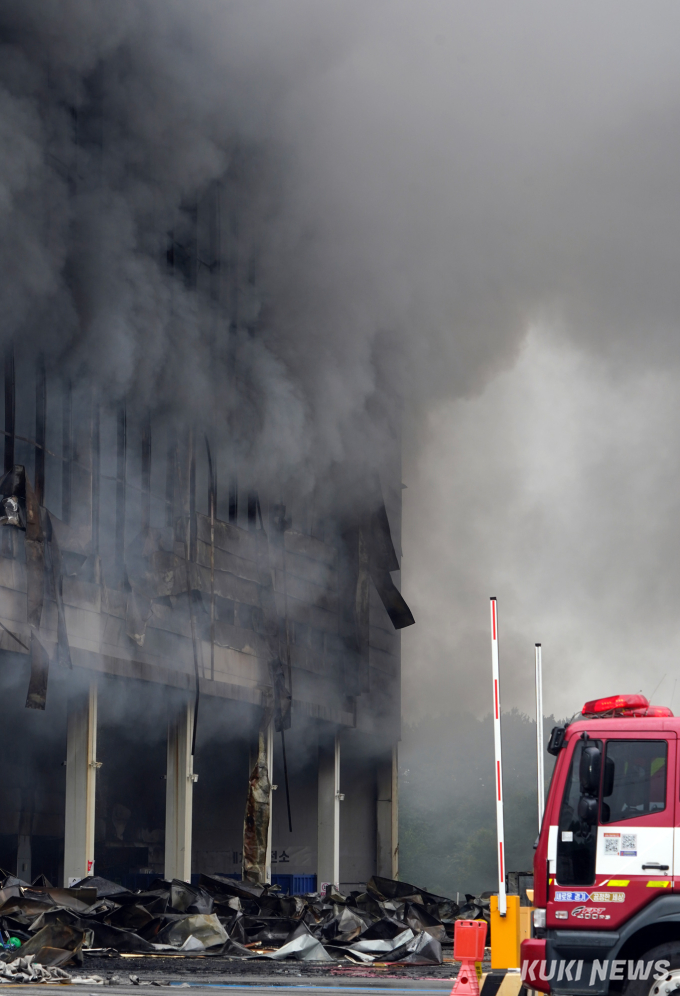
(624,845)
(593,897)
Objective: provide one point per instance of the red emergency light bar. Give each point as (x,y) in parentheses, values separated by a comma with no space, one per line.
(623,705)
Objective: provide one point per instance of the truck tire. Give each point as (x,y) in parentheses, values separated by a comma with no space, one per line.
(669,952)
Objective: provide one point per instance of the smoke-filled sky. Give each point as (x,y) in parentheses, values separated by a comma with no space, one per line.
(554,485)
(475,202)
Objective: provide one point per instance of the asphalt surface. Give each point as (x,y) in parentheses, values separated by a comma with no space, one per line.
(370,987)
(207,976)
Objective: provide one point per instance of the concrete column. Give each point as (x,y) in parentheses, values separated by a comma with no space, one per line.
(179,794)
(257,848)
(328,859)
(81,775)
(387,849)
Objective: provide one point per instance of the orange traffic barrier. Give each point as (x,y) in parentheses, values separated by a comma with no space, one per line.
(469,938)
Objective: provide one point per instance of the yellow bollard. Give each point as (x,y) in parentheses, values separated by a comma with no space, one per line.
(525,922)
(505,934)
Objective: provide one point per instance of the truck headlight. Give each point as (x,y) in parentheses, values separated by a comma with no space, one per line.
(539,919)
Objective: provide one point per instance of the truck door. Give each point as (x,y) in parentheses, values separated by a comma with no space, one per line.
(635,838)
(614,849)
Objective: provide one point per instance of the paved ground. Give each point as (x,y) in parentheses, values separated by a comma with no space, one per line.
(206,975)
(269,986)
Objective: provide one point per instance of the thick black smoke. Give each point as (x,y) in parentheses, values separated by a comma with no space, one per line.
(148,154)
(404,191)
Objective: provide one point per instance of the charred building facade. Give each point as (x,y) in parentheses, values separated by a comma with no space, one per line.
(173,658)
(200,660)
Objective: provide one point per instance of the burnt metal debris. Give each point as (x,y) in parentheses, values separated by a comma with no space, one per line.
(391,922)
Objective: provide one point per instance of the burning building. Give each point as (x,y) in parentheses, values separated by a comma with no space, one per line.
(199,621)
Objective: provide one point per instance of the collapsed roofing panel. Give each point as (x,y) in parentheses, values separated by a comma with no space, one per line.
(391,922)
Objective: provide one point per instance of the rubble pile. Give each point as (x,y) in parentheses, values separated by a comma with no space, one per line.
(391,922)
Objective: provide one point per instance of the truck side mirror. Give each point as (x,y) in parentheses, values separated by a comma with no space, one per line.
(589,770)
(608,780)
(557,740)
(587,810)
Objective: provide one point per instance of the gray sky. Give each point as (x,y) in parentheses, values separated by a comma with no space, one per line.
(554,484)
(556,489)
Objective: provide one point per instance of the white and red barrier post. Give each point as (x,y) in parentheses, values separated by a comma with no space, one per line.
(540,771)
(500,830)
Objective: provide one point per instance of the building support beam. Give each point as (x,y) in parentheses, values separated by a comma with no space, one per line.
(328,808)
(387,822)
(257,825)
(10,408)
(179,795)
(66,449)
(24,857)
(40,430)
(121,485)
(81,775)
(270,769)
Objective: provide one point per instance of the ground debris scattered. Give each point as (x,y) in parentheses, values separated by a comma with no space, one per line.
(390,923)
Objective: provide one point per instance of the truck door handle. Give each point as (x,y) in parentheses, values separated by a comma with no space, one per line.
(656,866)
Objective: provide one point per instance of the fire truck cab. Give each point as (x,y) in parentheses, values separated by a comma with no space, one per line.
(606,867)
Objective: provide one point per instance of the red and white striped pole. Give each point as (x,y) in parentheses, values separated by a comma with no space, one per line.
(540,771)
(500,830)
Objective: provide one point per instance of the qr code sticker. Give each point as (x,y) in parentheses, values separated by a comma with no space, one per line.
(628,841)
(611,845)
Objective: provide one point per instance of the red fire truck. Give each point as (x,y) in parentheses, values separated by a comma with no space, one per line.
(606,890)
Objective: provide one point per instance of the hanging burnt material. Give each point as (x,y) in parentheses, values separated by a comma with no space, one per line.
(382,560)
(353,583)
(258,811)
(367,555)
(36,697)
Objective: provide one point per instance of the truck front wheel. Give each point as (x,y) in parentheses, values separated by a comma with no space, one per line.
(649,985)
